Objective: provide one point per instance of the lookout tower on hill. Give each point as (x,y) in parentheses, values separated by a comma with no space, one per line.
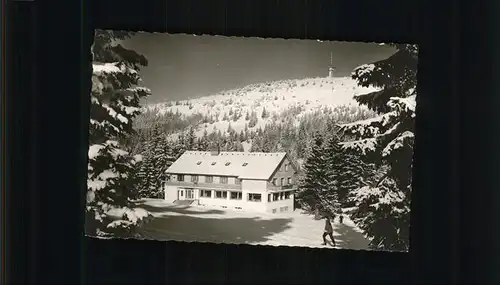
(331,68)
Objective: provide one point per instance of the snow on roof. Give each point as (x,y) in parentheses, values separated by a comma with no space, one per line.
(244,165)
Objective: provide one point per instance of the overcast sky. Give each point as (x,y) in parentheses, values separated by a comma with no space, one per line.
(186,66)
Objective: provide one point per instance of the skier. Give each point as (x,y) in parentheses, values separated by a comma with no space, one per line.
(341,218)
(328,231)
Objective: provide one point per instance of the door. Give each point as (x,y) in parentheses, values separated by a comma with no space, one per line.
(180,194)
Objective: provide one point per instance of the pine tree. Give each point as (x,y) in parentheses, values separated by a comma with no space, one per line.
(181,140)
(241,136)
(146,167)
(115,101)
(203,143)
(352,174)
(253,120)
(315,181)
(264,113)
(190,139)
(383,206)
(162,159)
(256,144)
(302,139)
(334,168)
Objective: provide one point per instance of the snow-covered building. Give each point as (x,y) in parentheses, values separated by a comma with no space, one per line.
(264,182)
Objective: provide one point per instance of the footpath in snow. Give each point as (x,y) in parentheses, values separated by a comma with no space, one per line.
(204,224)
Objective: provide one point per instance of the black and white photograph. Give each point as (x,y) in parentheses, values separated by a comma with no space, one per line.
(258,141)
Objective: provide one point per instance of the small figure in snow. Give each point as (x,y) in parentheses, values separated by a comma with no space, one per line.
(341,218)
(328,231)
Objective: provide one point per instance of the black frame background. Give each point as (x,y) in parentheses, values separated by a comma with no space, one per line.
(46,118)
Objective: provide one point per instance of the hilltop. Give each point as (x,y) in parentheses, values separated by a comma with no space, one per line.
(270,102)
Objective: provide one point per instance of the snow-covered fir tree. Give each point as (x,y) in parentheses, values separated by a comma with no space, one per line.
(264,113)
(203,142)
(333,168)
(352,174)
(190,139)
(383,206)
(115,98)
(315,182)
(146,167)
(157,157)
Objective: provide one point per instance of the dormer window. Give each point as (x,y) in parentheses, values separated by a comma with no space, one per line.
(213,163)
(198,163)
(227,163)
(245,164)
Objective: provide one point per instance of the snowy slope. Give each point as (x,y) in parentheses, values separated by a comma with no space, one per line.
(311,94)
(204,224)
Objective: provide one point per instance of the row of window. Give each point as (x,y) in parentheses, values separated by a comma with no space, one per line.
(282,209)
(208,179)
(285,166)
(233,195)
(250,197)
(224,180)
(226,164)
(284,182)
(279,196)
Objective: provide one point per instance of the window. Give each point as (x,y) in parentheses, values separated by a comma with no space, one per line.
(223,180)
(274,211)
(269,198)
(227,163)
(289,180)
(282,181)
(182,193)
(194,178)
(213,163)
(236,196)
(286,167)
(237,181)
(282,195)
(276,196)
(198,163)
(254,197)
(180,177)
(221,194)
(245,164)
(287,195)
(206,193)
(209,179)
(275,180)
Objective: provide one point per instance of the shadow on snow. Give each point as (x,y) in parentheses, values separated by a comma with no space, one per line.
(348,238)
(188,227)
(179,209)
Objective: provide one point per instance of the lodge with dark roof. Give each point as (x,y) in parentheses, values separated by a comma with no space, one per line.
(254,181)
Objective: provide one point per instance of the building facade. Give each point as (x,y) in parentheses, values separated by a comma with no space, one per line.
(263,182)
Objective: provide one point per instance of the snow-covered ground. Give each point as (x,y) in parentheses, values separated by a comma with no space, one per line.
(203,224)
